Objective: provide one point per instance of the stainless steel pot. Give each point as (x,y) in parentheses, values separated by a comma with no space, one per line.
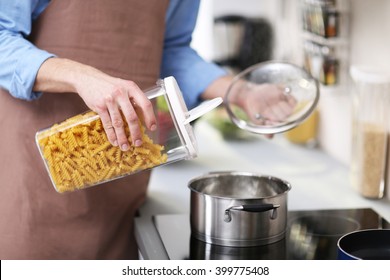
(239,209)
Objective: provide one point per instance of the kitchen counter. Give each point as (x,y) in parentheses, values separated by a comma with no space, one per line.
(318,180)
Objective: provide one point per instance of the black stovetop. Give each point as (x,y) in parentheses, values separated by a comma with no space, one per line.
(309,235)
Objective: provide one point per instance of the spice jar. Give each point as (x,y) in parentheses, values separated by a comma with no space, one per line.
(369,131)
(77,153)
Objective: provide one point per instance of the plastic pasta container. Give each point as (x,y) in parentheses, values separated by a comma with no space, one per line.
(77,153)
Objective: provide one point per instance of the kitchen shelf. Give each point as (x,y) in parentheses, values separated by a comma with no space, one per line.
(333,41)
(326,57)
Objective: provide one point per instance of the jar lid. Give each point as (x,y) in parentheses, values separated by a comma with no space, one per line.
(271,97)
(182,116)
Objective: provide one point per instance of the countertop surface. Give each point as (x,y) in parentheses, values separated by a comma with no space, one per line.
(318,180)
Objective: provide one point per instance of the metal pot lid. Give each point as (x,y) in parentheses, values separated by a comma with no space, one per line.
(271,97)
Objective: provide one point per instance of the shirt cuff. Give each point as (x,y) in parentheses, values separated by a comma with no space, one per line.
(25,74)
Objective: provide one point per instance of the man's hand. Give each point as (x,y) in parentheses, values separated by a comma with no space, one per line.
(116,101)
(264,104)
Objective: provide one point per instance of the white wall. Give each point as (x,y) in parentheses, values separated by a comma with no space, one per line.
(370,40)
(369,45)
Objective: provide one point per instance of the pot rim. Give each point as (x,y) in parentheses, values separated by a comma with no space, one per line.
(240,173)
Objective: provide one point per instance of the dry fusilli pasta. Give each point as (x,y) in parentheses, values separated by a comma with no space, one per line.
(78,154)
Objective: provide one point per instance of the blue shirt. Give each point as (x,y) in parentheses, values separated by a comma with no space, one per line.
(20,60)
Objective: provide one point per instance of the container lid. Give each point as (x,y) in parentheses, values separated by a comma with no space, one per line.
(182,116)
(271,97)
(369,74)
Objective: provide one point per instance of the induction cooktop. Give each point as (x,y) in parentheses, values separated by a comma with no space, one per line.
(309,235)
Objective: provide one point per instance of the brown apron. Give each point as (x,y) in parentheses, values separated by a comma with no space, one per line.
(123,38)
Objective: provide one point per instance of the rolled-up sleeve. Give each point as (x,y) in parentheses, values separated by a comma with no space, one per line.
(19,59)
(192,72)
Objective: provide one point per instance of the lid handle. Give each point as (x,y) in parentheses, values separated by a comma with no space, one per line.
(202,109)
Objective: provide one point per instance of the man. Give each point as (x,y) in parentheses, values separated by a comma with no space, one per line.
(59,59)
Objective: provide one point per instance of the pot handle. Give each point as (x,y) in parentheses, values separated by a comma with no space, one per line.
(252,208)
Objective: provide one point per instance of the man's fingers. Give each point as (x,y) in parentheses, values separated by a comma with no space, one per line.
(117,123)
(133,121)
(125,106)
(144,105)
(108,127)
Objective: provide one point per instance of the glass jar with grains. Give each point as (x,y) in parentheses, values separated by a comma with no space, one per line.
(370,126)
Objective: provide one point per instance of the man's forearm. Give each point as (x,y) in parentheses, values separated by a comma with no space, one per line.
(217,88)
(58,75)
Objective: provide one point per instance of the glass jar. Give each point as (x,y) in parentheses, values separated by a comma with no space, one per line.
(77,153)
(370,123)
